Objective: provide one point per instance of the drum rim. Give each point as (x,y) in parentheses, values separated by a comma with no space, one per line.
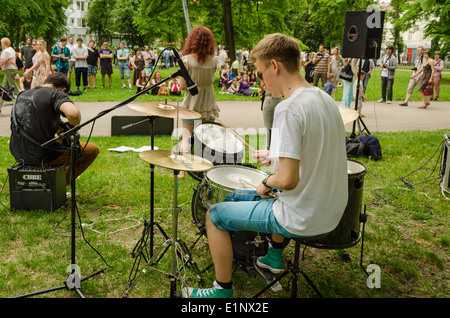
(363,172)
(195,134)
(223,187)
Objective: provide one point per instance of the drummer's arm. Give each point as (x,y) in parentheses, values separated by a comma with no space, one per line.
(286,178)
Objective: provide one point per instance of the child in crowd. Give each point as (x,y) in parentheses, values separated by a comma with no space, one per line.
(244,86)
(147,69)
(361,96)
(224,81)
(234,87)
(174,87)
(331,84)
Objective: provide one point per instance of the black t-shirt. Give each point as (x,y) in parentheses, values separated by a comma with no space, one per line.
(93,56)
(37,113)
(105,61)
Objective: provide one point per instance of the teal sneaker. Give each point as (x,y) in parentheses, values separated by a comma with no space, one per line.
(215,292)
(273,261)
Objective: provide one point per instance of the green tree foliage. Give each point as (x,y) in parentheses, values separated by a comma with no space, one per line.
(35,18)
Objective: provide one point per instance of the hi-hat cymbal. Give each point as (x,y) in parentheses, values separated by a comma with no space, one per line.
(181,162)
(164,110)
(348,115)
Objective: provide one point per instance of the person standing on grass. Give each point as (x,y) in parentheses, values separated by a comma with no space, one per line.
(123,60)
(388,66)
(62,53)
(93,61)
(70,45)
(80,54)
(27,52)
(42,66)
(321,63)
(106,57)
(8,65)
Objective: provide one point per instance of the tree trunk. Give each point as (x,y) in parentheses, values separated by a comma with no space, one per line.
(229,31)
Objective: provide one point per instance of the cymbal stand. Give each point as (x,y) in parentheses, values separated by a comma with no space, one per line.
(179,249)
(140,250)
(73,281)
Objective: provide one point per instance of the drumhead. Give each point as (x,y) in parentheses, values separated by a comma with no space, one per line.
(218,138)
(235,177)
(355,167)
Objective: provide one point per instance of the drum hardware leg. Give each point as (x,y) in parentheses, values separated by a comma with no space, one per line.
(363,219)
(178,249)
(293,269)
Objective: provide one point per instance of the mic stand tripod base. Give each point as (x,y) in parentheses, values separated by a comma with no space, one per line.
(73,281)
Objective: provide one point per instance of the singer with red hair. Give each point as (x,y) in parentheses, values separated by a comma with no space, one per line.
(201,62)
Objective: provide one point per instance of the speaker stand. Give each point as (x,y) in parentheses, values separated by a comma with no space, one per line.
(359,120)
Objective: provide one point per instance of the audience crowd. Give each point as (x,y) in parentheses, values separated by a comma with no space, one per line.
(238,77)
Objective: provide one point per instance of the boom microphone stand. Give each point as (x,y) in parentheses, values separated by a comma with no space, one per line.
(73,281)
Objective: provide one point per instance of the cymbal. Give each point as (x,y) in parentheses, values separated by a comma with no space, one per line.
(164,110)
(181,162)
(348,115)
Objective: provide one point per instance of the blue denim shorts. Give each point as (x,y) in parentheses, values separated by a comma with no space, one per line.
(255,216)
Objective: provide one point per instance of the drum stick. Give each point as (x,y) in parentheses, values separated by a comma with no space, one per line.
(236,134)
(273,195)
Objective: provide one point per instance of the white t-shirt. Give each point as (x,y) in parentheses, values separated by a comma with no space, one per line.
(80,51)
(71,46)
(222,56)
(308,127)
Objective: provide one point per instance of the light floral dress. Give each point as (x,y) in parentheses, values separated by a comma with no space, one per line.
(203,75)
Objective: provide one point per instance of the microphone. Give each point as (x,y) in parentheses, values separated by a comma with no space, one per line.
(191,86)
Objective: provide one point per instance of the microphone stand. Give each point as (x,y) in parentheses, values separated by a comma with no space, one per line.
(73,281)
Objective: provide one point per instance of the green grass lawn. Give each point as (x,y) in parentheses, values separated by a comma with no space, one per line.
(406,234)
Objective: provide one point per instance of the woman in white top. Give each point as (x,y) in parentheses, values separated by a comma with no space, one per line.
(199,57)
(8,65)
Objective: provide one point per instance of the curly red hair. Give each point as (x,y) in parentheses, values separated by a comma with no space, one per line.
(200,41)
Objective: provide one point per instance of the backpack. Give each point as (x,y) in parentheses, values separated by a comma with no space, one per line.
(372,148)
(19,63)
(355,147)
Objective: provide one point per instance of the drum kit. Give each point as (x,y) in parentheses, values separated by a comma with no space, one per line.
(216,163)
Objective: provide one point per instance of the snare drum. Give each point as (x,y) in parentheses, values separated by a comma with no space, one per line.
(227,183)
(216,144)
(347,233)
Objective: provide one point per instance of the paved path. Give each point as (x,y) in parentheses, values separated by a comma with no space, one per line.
(247,116)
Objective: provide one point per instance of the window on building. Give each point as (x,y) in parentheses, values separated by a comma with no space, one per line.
(80,5)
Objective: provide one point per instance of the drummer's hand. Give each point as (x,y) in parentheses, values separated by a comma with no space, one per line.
(263,191)
(262,156)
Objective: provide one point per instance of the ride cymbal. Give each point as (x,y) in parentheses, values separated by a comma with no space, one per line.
(348,115)
(164,110)
(179,162)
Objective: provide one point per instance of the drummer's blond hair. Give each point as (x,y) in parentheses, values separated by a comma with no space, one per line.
(280,47)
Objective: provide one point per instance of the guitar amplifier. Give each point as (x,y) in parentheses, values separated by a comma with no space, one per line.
(37,188)
(445,164)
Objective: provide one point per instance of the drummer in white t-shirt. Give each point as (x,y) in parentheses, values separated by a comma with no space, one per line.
(308,154)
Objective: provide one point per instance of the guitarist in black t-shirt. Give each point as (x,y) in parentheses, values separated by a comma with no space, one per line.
(36,118)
